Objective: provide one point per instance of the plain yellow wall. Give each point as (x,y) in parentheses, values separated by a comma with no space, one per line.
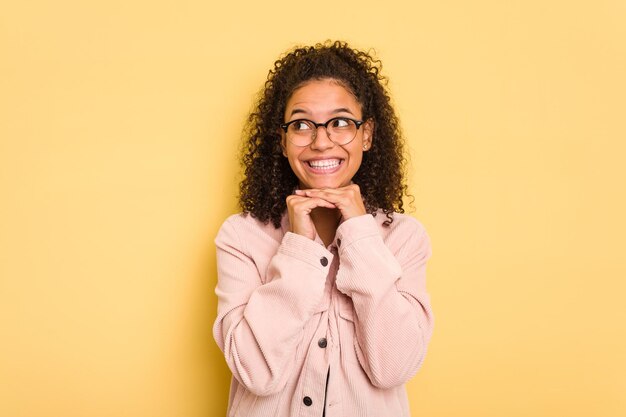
(119,129)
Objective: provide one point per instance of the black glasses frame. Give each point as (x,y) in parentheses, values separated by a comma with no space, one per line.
(358,124)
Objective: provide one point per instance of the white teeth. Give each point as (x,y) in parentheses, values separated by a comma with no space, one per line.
(325,163)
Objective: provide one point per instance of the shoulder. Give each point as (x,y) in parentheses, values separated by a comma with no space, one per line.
(406,236)
(247,220)
(402,223)
(241,219)
(245,227)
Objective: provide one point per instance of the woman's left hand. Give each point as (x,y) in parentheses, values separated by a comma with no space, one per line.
(347,199)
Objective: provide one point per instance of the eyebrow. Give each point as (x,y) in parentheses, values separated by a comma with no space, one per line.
(339,110)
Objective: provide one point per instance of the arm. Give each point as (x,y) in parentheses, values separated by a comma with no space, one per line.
(393,317)
(259,325)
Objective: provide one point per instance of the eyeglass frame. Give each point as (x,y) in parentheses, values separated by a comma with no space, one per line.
(357,123)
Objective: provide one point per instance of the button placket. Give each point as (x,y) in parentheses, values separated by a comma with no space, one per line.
(314,383)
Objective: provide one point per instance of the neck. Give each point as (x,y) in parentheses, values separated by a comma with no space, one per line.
(326,221)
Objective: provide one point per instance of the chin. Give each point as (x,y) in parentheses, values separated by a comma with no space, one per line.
(322,184)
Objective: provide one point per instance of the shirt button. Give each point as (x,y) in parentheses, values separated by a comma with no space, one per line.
(307,401)
(338,242)
(322,342)
(324,261)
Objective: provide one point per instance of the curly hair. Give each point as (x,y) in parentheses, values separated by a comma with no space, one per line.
(268,178)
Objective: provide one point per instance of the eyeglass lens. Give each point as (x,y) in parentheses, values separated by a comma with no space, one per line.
(339,130)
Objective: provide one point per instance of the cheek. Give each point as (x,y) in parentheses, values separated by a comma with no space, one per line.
(358,159)
(292,157)
(356,155)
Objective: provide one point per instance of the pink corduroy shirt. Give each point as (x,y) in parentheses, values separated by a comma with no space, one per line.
(309,330)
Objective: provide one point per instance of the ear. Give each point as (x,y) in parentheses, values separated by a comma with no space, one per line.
(368,134)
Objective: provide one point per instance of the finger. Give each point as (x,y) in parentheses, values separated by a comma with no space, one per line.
(304,199)
(307,203)
(315,193)
(323,190)
(334,196)
(293,198)
(313,202)
(352,186)
(352,189)
(347,200)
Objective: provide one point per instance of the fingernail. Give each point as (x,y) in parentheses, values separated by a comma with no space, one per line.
(299,192)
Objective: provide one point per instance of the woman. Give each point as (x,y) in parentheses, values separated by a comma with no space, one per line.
(323,308)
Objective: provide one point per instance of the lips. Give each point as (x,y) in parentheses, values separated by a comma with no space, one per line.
(324,164)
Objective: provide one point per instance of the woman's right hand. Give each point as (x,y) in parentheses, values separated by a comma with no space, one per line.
(299,208)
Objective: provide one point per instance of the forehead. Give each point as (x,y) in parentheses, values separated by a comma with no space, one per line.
(322,96)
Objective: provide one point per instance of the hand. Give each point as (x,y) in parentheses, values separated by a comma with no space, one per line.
(299,209)
(347,199)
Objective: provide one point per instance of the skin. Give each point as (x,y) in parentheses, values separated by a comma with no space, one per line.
(324,198)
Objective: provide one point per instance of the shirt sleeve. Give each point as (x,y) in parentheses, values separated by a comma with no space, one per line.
(393,317)
(260,319)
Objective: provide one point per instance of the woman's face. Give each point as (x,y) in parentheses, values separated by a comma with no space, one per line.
(323,163)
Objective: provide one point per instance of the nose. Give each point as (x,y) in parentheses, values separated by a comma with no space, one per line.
(321,140)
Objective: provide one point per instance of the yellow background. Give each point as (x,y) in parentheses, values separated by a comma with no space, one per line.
(119,129)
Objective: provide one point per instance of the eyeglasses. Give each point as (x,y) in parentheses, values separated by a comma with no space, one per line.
(341,130)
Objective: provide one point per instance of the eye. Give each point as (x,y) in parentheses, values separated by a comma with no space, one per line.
(301,125)
(340,123)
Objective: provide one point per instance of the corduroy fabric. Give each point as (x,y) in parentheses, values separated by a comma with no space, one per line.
(279,293)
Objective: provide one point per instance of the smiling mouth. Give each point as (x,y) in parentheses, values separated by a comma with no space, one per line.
(325,164)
